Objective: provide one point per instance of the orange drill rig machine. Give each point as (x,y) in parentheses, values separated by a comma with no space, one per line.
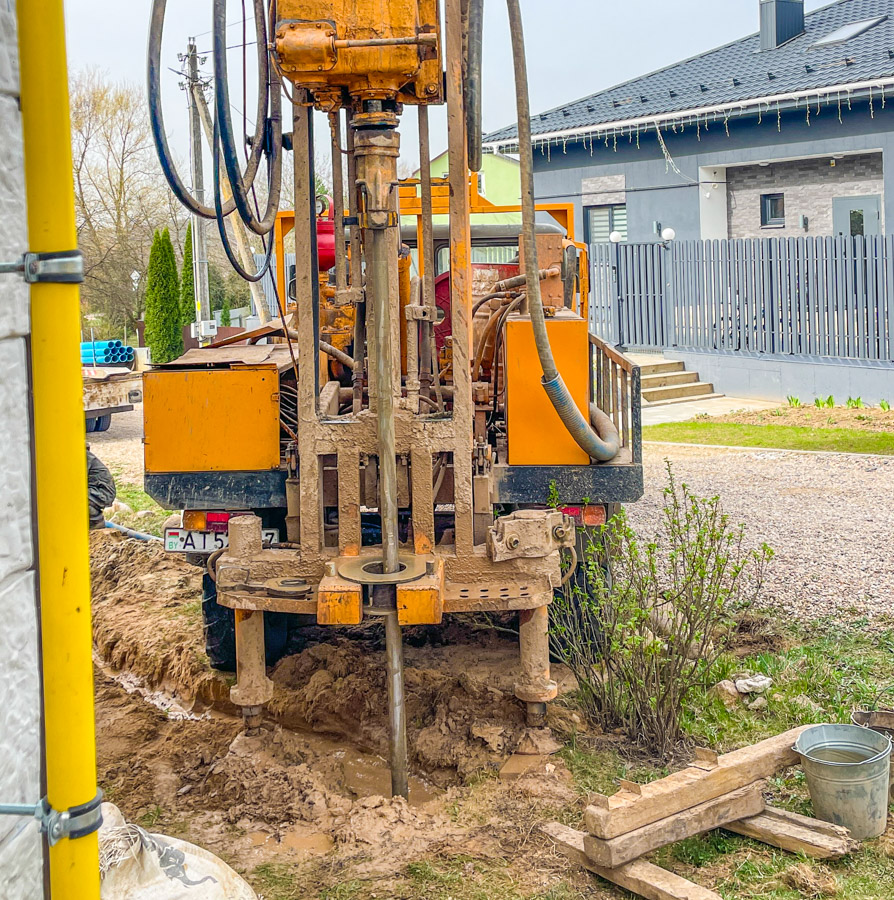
(407,473)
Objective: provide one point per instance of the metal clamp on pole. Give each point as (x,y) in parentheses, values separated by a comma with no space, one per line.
(64,267)
(77,822)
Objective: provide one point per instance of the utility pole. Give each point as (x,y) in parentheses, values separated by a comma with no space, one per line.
(203,329)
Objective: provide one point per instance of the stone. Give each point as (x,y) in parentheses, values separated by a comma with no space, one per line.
(755,684)
(726,691)
(758,704)
(144,514)
(121,506)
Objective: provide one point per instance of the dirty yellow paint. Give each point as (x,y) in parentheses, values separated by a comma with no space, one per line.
(340,607)
(217,420)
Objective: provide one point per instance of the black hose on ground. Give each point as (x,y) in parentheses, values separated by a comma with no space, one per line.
(574,421)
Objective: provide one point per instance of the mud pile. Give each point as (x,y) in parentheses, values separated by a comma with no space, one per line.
(461,712)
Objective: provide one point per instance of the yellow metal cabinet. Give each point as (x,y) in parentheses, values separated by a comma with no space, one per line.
(211,420)
(537,436)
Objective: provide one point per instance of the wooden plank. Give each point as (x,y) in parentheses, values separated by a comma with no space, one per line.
(689,787)
(640,877)
(741,803)
(797,834)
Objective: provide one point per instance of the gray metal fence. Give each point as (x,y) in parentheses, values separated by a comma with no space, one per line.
(806,296)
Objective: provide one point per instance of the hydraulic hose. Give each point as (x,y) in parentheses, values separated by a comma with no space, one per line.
(241,186)
(563,403)
(157,122)
(220,216)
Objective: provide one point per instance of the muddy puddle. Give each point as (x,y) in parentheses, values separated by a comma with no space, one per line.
(357,774)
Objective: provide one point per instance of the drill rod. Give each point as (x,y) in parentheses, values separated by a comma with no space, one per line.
(394,653)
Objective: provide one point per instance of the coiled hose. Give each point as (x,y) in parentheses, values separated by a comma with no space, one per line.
(602,443)
(157,123)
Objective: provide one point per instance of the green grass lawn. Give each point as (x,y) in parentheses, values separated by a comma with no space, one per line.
(782,437)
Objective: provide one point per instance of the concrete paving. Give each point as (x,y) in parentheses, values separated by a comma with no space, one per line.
(718,406)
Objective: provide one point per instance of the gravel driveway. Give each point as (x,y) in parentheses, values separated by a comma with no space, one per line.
(829,517)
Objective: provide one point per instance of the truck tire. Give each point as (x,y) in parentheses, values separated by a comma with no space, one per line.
(220,631)
(90,426)
(102,423)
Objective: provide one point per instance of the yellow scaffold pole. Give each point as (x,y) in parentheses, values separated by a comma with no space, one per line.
(59,453)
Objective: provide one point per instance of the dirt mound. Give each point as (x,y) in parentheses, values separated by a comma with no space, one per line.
(457,723)
(147,620)
(147,617)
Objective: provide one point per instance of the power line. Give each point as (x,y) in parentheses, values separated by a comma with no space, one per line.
(231,25)
(238,46)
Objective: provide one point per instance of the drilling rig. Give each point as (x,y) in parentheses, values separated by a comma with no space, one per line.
(394,449)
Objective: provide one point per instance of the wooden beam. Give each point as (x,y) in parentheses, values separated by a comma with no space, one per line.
(609,817)
(641,877)
(797,834)
(738,804)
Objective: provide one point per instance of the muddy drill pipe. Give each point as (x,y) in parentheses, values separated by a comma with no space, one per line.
(376,151)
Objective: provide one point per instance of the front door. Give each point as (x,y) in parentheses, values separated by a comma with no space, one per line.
(856,215)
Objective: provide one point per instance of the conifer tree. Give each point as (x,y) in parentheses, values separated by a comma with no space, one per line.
(164,334)
(187,282)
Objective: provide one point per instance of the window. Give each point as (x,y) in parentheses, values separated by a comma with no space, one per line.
(772,210)
(601,221)
(481,188)
(846,32)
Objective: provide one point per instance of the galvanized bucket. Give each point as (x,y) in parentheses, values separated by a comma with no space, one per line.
(848,771)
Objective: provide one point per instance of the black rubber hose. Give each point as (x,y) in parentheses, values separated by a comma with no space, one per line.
(574,421)
(221,217)
(241,186)
(157,123)
(472,87)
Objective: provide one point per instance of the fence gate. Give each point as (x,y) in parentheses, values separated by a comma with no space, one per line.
(628,291)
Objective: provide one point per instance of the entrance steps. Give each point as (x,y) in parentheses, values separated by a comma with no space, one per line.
(665,381)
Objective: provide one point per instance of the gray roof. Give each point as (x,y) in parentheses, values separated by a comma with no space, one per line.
(737,73)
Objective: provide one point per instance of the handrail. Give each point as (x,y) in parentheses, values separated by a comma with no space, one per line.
(615,380)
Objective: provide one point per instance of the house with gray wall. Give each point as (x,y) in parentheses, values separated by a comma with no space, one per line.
(786,133)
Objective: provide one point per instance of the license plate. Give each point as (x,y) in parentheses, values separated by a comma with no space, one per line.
(180,540)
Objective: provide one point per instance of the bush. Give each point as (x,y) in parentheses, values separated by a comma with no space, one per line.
(642,624)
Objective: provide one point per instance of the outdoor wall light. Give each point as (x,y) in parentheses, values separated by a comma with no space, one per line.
(668,234)
(615,237)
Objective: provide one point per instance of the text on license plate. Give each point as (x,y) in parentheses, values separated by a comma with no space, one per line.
(180,540)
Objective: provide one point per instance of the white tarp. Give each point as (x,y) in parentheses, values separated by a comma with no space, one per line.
(138,865)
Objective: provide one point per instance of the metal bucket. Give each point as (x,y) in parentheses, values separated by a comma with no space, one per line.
(848,771)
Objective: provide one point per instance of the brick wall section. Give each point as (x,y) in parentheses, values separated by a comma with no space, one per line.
(809,186)
(21,866)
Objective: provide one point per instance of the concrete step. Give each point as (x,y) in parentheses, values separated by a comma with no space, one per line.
(663,379)
(674,400)
(661,367)
(673,391)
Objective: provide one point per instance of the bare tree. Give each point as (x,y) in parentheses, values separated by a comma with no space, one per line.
(120,196)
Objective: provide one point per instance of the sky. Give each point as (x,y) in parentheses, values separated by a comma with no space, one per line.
(574,48)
